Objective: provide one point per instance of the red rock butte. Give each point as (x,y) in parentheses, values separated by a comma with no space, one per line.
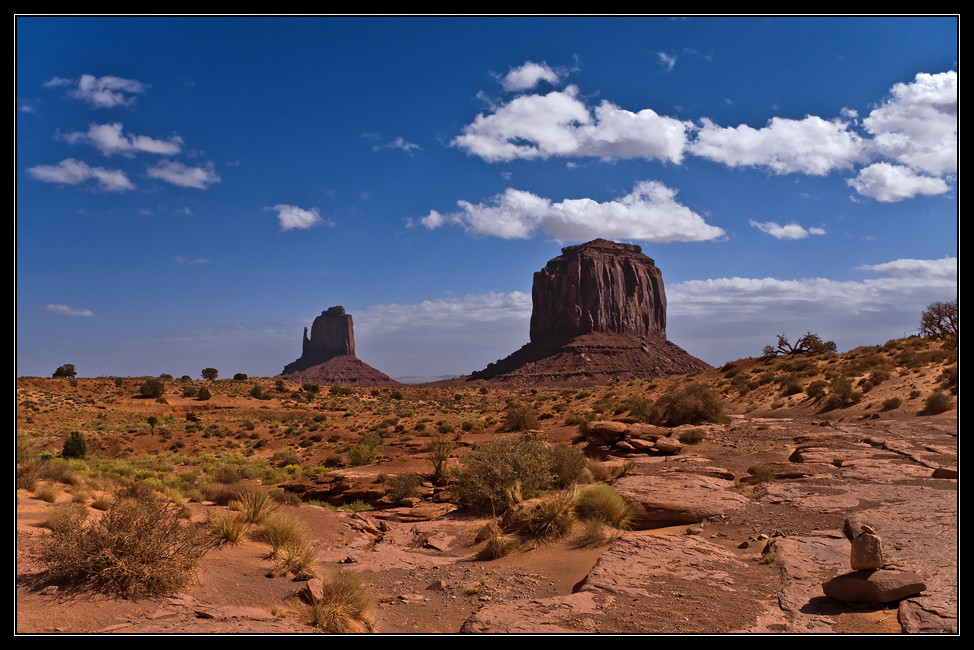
(328,355)
(599,315)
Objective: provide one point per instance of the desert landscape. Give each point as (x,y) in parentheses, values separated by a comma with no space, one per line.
(800,491)
(475,324)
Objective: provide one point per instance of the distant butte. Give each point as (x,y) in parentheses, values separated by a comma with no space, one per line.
(599,315)
(328,355)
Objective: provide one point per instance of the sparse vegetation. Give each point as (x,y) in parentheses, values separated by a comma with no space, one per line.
(694,404)
(500,472)
(75,446)
(807,345)
(343,607)
(152,388)
(65,371)
(941,321)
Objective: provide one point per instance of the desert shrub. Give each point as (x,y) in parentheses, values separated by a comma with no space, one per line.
(552,517)
(639,407)
(692,436)
(228,528)
(520,417)
(496,542)
(152,388)
(604,503)
(567,465)
(65,516)
(596,533)
(840,394)
(816,389)
(75,446)
(791,386)
(255,505)
(67,370)
(495,473)
(344,605)
(366,451)
(891,403)
(691,405)
(240,376)
(440,451)
(141,547)
(203,394)
(256,392)
(948,379)
(402,486)
(297,559)
(936,402)
(281,529)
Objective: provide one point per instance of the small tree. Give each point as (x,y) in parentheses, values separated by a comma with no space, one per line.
(808,345)
(75,446)
(67,370)
(152,388)
(203,394)
(152,422)
(210,373)
(940,320)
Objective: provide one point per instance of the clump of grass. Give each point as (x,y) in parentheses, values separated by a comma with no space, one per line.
(297,559)
(281,529)
(343,607)
(552,517)
(603,502)
(496,543)
(48,492)
(596,533)
(255,505)
(228,528)
(65,516)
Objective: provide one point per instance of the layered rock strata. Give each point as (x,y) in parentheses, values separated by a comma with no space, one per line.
(599,315)
(328,354)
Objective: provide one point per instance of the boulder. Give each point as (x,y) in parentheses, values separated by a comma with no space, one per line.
(878,586)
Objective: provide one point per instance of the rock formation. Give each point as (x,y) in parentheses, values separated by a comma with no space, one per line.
(328,355)
(599,315)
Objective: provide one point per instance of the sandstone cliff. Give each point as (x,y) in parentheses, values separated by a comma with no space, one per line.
(328,355)
(599,315)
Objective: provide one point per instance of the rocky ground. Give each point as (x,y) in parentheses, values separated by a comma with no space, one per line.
(734,533)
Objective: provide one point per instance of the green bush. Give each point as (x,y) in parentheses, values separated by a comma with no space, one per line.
(498,473)
(937,402)
(152,388)
(141,547)
(816,389)
(603,502)
(694,404)
(75,446)
(67,370)
(203,394)
(520,417)
(366,451)
(240,376)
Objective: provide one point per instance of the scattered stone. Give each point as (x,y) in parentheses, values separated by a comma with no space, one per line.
(945,472)
(313,591)
(669,446)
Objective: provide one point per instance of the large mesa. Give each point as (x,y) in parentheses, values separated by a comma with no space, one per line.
(328,355)
(599,315)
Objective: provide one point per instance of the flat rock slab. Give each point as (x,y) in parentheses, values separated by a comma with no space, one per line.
(647,584)
(678,498)
(874,586)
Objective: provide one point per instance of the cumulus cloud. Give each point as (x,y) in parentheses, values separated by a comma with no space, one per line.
(811,146)
(917,125)
(74,172)
(649,213)
(109,139)
(183,175)
(528,76)
(64,310)
(560,124)
(292,217)
(944,269)
(101,92)
(889,183)
(788,231)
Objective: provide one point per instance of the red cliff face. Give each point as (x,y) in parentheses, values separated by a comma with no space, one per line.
(328,355)
(599,316)
(600,286)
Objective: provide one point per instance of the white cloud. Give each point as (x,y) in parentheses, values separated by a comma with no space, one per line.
(102,92)
(890,183)
(398,143)
(788,231)
(292,217)
(528,76)
(666,60)
(109,139)
(184,176)
(649,213)
(74,172)
(809,146)
(917,124)
(64,310)
(729,318)
(943,269)
(559,124)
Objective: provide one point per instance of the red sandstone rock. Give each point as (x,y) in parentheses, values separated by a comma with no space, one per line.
(599,316)
(328,355)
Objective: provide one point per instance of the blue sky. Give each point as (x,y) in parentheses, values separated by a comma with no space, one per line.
(192,192)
